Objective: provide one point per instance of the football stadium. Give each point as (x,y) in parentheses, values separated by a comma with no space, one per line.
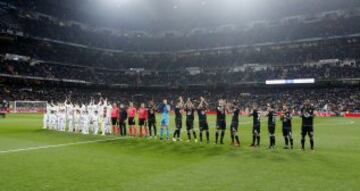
(180,95)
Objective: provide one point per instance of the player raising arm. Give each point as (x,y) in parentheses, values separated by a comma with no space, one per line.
(190,111)
(271,125)
(235,124)
(307,125)
(256,127)
(203,124)
(220,121)
(178,119)
(286,118)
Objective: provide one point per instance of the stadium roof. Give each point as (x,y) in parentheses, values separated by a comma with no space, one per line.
(178,15)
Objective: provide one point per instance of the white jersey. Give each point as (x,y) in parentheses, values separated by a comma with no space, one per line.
(53,122)
(61,117)
(106,119)
(46,119)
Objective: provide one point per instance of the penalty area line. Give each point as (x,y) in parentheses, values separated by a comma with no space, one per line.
(56,145)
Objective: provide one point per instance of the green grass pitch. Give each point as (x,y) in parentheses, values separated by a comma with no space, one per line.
(29,162)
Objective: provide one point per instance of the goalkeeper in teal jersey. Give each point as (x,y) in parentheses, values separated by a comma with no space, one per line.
(164,110)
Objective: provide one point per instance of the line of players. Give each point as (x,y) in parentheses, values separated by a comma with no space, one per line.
(107,119)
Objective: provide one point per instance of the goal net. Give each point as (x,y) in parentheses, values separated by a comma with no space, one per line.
(20,106)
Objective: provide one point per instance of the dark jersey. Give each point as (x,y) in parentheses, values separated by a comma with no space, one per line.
(235,115)
(220,113)
(286,120)
(307,115)
(123,115)
(189,114)
(202,114)
(256,117)
(178,114)
(151,112)
(271,118)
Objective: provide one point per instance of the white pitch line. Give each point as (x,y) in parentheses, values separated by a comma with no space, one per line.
(55,146)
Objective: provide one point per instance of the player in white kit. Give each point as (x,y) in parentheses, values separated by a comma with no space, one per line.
(69,116)
(61,116)
(53,117)
(106,118)
(85,120)
(77,118)
(46,119)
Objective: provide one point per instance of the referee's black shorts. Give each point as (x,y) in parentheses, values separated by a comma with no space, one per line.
(114,120)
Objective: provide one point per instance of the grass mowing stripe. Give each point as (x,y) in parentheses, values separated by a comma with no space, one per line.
(56,146)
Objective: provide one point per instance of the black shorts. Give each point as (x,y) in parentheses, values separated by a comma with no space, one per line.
(151,122)
(286,131)
(122,123)
(141,122)
(131,121)
(114,120)
(178,123)
(203,125)
(271,128)
(256,129)
(189,124)
(221,125)
(307,130)
(234,126)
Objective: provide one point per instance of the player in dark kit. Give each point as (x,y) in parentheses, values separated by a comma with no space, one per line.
(307,125)
(178,119)
(220,121)
(256,127)
(271,125)
(152,118)
(203,124)
(190,111)
(235,124)
(122,120)
(287,127)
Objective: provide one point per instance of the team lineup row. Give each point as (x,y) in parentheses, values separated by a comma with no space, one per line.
(104,118)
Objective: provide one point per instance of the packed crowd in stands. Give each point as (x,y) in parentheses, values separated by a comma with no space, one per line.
(180,77)
(337,100)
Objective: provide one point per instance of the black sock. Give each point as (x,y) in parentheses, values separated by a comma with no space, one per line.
(232,137)
(154,130)
(253,140)
(258,140)
(175,133)
(194,134)
(286,140)
(303,143)
(189,135)
(207,136)
(200,134)
(291,142)
(273,140)
(222,137)
(150,131)
(237,139)
(312,143)
(216,137)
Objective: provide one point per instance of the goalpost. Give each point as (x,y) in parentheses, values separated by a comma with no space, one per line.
(21,106)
